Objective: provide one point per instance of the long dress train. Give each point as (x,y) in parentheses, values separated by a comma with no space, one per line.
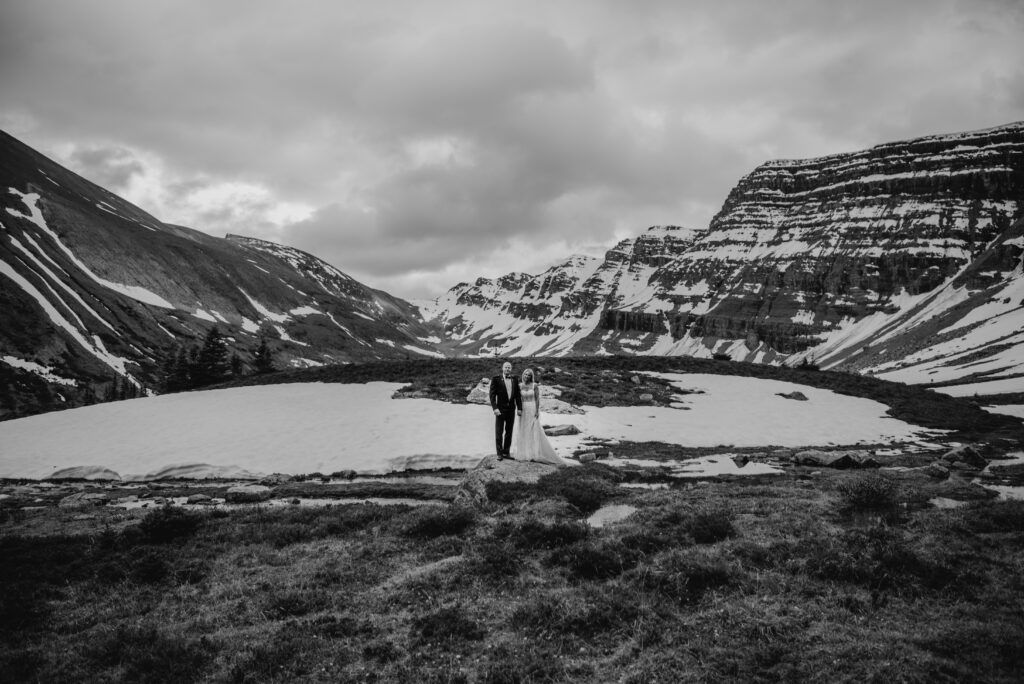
(529,442)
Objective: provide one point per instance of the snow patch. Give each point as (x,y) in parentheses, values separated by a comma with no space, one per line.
(45,372)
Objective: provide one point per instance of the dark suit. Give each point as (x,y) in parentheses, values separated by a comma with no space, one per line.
(503,422)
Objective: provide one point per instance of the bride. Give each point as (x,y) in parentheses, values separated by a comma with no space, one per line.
(530,442)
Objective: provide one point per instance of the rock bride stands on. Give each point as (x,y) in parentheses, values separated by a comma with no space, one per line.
(530,442)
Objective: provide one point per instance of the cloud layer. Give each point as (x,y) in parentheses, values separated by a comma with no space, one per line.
(416,144)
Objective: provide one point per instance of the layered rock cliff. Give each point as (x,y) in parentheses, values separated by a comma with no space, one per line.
(807,260)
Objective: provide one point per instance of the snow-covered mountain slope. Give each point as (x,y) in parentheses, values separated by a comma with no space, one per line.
(96,292)
(558,311)
(851,261)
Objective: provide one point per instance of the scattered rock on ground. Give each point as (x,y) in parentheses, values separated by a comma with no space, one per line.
(198,499)
(835,459)
(936,470)
(561,430)
(248,494)
(646,396)
(967,453)
(798,396)
(635,379)
(275,479)
(82,500)
(740,460)
(586,457)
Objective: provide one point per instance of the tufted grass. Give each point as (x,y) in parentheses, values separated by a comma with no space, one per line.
(722,581)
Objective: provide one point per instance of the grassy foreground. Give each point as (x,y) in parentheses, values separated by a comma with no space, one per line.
(783,579)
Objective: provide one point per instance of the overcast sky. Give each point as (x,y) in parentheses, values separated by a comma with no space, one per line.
(416,144)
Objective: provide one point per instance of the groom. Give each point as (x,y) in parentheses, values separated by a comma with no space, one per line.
(507,403)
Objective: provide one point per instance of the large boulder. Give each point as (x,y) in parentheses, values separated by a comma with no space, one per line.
(936,470)
(481,394)
(251,493)
(966,453)
(83,500)
(473,488)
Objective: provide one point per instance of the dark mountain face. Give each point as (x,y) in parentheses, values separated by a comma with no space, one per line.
(861,260)
(97,293)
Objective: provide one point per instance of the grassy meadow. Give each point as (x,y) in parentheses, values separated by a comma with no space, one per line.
(842,576)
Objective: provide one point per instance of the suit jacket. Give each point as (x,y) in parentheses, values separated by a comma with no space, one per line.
(499,395)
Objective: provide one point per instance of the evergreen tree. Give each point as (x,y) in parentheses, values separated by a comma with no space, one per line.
(263,361)
(211,364)
(236,365)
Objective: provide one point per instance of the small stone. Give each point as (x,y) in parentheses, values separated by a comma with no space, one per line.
(198,499)
(646,396)
(586,457)
(635,379)
(936,470)
(740,460)
(294,502)
(561,430)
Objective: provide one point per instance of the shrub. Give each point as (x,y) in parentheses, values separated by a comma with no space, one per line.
(150,655)
(292,603)
(530,664)
(531,533)
(586,487)
(685,577)
(679,525)
(709,527)
(879,558)
(447,624)
(148,567)
(994,516)
(494,559)
(599,559)
(871,491)
(166,524)
(560,614)
(435,521)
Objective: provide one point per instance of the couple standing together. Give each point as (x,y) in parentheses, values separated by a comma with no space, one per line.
(523,440)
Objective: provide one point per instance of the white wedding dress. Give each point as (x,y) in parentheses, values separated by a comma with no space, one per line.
(529,443)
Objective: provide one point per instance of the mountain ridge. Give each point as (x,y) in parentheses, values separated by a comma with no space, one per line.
(98,293)
(801,253)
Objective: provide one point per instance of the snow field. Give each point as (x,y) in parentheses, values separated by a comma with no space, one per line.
(316,427)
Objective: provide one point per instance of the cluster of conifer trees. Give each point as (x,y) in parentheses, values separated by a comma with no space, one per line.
(210,363)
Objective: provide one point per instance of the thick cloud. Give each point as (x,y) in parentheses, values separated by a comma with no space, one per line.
(418,144)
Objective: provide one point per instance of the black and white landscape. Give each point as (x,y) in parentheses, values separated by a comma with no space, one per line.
(259,264)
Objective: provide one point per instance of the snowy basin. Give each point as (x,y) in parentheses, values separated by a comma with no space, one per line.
(318,427)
